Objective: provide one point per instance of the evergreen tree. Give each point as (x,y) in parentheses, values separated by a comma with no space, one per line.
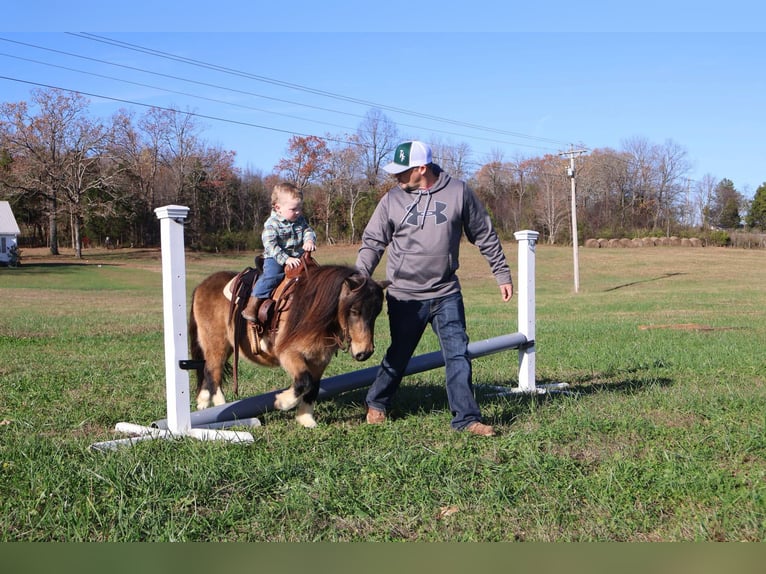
(726,204)
(757,215)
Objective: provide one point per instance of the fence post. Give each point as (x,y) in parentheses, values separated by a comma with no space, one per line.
(172,219)
(176,346)
(526,293)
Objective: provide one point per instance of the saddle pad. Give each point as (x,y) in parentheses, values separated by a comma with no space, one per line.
(227,292)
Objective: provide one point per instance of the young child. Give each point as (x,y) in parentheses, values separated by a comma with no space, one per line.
(286,235)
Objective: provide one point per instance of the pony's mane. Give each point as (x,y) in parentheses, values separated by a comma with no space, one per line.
(314,305)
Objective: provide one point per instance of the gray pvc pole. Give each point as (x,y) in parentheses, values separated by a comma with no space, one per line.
(251,407)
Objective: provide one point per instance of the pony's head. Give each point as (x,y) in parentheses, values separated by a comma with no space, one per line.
(361,301)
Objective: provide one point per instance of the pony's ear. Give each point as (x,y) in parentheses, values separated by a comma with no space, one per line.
(355,281)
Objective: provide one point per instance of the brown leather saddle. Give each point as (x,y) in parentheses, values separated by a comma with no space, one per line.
(270,310)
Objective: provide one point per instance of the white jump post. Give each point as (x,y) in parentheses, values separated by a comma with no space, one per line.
(172,219)
(526,307)
(527,292)
(174,306)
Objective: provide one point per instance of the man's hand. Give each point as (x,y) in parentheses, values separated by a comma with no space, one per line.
(506,289)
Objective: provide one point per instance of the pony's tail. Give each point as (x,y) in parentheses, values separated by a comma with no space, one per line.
(197,354)
(194,347)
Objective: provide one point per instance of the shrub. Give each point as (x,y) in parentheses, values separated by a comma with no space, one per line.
(719,238)
(14,256)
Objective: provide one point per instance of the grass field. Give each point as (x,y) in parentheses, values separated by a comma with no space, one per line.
(661,437)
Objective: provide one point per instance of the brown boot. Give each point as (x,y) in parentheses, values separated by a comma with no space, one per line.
(375,417)
(250,312)
(480,429)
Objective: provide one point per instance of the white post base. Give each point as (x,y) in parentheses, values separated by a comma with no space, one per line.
(150,433)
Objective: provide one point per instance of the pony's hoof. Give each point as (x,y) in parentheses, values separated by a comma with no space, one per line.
(307,421)
(285,401)
(203,399)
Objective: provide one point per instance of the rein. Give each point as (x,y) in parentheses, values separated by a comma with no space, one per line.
(342,341)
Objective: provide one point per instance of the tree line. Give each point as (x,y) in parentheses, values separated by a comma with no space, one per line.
(75,180)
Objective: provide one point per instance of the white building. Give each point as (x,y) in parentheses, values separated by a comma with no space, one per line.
(9,232)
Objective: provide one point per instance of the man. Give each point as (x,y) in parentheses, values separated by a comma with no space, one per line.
(421,222)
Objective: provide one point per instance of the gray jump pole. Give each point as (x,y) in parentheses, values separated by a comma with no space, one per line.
(244,411)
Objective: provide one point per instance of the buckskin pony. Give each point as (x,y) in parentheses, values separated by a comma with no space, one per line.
(330,307)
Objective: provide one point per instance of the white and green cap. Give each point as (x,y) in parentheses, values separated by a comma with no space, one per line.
(407,155)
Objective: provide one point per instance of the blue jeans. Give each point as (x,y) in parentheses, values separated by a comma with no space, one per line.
(272,275)
(407,322)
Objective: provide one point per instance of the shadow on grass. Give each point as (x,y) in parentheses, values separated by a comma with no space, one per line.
(665,276)
(416,399)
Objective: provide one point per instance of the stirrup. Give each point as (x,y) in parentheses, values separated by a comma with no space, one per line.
(265,311)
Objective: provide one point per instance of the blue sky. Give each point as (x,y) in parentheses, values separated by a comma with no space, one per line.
(521,81)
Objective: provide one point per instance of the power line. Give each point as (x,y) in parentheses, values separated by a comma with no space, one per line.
(215,118)
(230,89)
(307,89)
(188,113)
(168,90)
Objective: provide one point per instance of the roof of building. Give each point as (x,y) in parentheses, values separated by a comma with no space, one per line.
(8,225)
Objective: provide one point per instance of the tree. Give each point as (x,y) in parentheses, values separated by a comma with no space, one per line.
(671,166)
(756,217)
(343,176)
(726,205)
(656,182)
(552,195)
(377,135)
(307,161)
(704,192)
(51,150)
(496,185)
(603,187)
(84,174)
(136,148)
(453,158)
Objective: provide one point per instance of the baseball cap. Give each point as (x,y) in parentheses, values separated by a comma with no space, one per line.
(407,155)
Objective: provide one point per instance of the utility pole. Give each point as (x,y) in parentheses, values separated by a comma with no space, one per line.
(571,174)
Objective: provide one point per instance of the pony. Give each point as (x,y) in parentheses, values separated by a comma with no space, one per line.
(331,307)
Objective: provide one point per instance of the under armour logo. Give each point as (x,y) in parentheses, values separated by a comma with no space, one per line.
(437,213)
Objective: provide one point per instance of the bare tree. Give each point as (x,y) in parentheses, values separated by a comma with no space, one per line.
(494,182)
(180,151)
(84,173)
(551,195)
(671,167)
(603,188)
(136,149)
(657,174)
(343,174)
(377,136)
(453,158)
(52,150)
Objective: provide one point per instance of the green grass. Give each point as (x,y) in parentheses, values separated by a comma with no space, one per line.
(660,437)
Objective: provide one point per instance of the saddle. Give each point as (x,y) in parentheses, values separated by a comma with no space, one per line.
(238,291)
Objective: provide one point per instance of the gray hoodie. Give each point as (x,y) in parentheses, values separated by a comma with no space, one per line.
(422,230)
